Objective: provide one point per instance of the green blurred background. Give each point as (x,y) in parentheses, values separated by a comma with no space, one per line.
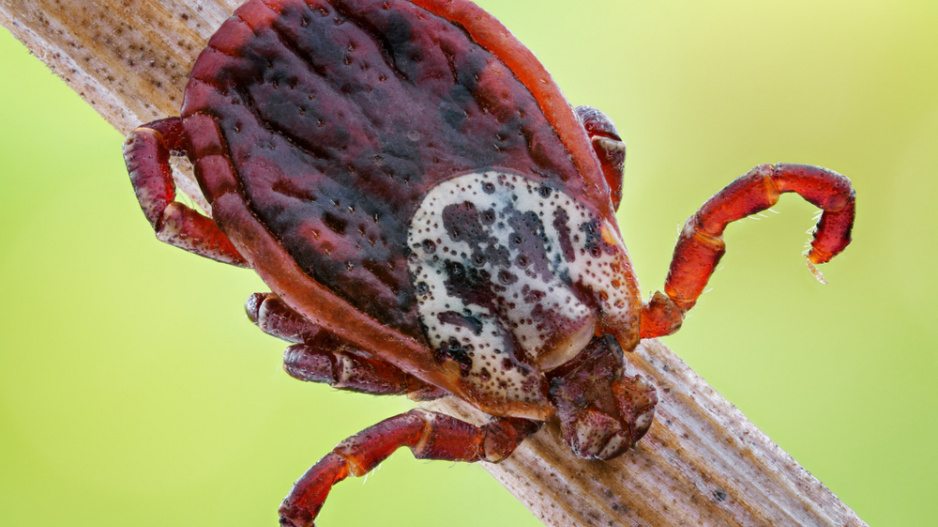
(134,392)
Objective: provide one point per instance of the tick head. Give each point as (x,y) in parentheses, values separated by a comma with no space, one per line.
(602,413)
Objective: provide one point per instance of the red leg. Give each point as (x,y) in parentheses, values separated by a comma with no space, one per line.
(429,436)
(320,356)
(609,148)
(700,245)
(146,153)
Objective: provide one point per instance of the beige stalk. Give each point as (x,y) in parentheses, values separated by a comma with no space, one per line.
(702,462)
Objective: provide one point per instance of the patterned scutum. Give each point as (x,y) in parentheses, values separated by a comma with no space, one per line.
(340,115)
(512,278)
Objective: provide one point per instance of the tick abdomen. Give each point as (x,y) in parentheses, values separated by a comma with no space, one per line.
(340,115)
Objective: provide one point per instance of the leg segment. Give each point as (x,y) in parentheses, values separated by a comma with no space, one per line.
(329,360)
(320,356)
(429,436)
(274,317)
(609,148)
(146,153)
(700,245)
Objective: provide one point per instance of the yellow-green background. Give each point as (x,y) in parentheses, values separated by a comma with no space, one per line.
(134,392)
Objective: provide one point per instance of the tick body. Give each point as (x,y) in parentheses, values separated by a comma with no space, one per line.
(433,218)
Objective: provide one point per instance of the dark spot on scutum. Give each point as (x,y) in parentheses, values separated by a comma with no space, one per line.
(507,278)
(453,350)
(469,284)
(421,288)
(561,225)
(461,221)
(719,494)
(594,242)
(471,323)
(532,296)
(488,217)
(530,240)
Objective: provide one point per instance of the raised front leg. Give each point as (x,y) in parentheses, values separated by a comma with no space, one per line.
(146,153)
(320,356)
(700,245)
(429,435)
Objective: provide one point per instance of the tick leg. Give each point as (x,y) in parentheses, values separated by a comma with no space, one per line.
(429,435)
(321,356)
(609,148)
(700,245)
(275,318)
(330,360)
(146,153)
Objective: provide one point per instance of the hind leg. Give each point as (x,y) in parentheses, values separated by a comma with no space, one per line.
(429,435)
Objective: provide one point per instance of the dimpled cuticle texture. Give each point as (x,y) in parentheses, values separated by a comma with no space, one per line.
(341,115)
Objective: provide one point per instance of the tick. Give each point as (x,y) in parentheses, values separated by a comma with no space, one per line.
(433,218)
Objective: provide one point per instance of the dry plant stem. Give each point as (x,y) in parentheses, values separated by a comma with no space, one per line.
(702,462)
